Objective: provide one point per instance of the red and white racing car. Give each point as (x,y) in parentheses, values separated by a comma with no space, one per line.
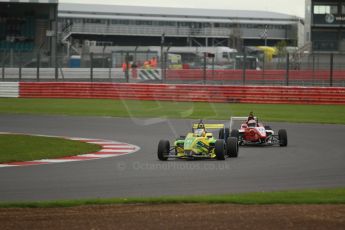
(254,133)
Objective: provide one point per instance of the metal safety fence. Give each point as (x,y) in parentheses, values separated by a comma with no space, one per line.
(322,69)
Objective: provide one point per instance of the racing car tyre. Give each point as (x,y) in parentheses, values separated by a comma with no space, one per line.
(163,150)
(224,133)
(235,133)
(221,134)
(282,135)
(227,133)
(232,147)
(220,150)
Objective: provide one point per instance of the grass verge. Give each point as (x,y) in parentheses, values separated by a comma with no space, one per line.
(26,148)
(331,114)
(316,196)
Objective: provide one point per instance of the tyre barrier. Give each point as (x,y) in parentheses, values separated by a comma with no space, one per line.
(188,93)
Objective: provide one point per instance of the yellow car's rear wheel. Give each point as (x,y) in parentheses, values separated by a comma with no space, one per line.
(232,147)
(219,149)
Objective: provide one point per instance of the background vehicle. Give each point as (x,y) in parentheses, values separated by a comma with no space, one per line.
(191,57)
(252,62)
(195,146)
(223,57)
(174,61)
(256,133)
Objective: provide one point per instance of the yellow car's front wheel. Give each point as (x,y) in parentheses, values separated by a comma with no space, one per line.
(163,150)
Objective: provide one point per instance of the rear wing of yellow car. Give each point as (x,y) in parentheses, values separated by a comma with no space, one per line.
(210,126)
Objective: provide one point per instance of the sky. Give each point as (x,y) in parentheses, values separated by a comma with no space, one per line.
(292,7)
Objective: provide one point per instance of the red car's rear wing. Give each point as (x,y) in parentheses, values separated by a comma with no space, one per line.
(233,119)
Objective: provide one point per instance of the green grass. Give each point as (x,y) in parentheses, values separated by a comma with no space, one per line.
(317,196)
(331,114)
(26,148)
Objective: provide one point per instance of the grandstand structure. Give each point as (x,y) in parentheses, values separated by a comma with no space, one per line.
(114,25)
(325,25)
(49,32)
(27,26)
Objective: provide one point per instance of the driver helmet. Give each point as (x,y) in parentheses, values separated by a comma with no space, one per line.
(199,132)
(251,123)
(250,116)
(201,126)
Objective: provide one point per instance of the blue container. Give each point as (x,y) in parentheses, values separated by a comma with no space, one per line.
(74,61)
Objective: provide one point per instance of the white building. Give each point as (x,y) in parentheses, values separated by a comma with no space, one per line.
(138,25)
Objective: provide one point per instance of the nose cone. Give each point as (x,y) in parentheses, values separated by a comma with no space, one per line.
(189,143)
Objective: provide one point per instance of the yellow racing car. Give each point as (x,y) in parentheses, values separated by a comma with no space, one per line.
(199,144)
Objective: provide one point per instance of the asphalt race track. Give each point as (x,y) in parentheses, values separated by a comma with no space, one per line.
(314,158)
